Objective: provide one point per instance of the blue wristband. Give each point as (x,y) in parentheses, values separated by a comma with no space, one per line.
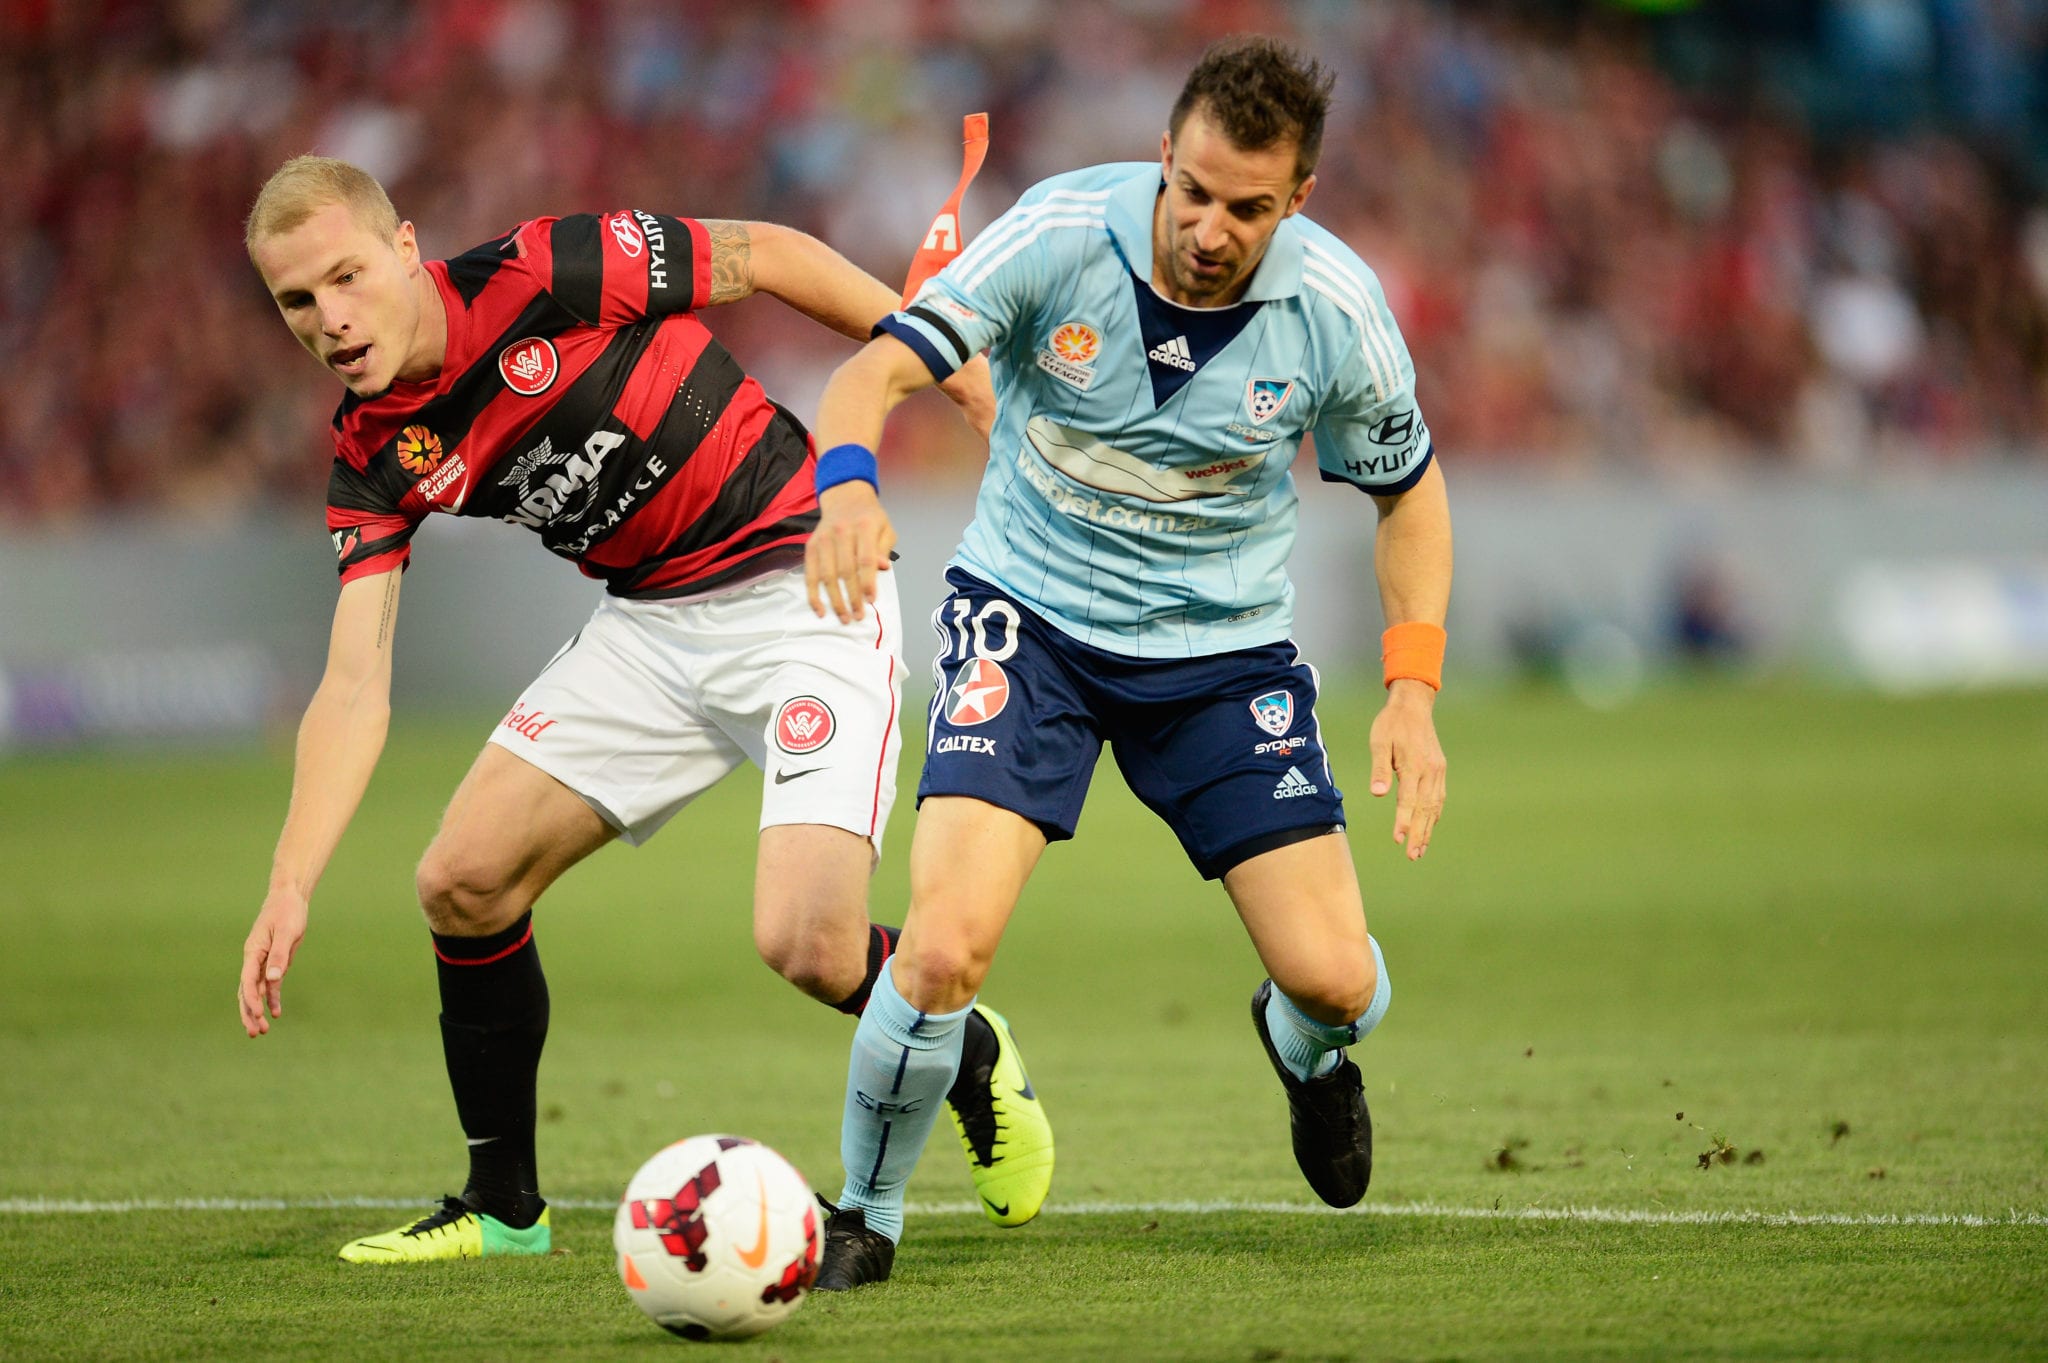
(846,464)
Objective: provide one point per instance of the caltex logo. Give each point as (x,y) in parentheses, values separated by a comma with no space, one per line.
(529,367)
(419,450)
(1076,343)
(978,693)
(1274,712)
(803,724)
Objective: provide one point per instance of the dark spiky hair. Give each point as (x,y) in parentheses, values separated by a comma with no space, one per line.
(1258,92)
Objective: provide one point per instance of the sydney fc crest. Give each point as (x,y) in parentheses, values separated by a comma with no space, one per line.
(1265,398)
(1274,712)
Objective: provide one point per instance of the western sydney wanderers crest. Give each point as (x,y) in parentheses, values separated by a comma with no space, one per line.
(419,450)
(1274,712)
(1265,398)
(529,367)
(803,724)
(979,692)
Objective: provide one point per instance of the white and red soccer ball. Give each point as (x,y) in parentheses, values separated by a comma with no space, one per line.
(718,1237)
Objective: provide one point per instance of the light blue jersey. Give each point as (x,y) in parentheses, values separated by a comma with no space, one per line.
(1139,493)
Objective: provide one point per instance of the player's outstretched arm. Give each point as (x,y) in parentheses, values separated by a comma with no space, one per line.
(853,539)
(1412,558)
(339,742)
(800,270)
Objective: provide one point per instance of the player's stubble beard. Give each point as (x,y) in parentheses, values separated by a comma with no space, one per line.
(1182,284)
(1213,292)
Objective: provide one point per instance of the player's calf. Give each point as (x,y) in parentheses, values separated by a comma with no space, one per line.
(996,1112)
(881,946)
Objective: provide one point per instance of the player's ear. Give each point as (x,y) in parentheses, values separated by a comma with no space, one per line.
(1300,196)
(406,243)
(1166,155)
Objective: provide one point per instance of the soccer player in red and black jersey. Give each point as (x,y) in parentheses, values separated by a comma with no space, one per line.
(559,378)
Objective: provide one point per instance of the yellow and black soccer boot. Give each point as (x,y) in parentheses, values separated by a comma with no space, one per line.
(1001,1124)
(454,1230)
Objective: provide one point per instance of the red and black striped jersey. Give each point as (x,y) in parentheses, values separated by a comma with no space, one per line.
(582,398)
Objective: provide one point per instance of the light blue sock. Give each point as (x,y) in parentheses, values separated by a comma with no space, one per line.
(1310,1047)
(903,1062)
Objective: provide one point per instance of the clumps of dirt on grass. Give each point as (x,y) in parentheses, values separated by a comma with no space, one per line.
(1507,1156)
(1724,1151)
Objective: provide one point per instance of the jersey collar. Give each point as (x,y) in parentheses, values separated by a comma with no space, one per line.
(1130,223)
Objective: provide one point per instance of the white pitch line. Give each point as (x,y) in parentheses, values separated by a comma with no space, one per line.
(54,1206)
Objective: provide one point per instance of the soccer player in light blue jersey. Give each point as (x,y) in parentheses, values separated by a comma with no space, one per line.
(1163,337)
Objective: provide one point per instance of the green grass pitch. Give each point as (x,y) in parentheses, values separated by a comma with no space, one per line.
(1721,1031)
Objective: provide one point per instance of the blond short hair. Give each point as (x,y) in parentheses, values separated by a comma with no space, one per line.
(304,185)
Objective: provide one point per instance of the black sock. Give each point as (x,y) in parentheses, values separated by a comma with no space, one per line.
(494,1021)
(881,944)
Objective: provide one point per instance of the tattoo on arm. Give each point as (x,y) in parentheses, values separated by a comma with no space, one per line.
(390,605)
(732,260)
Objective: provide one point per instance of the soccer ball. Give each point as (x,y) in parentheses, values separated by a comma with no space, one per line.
(718,1238)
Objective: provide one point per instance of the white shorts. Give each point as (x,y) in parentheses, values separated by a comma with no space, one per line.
(653,702)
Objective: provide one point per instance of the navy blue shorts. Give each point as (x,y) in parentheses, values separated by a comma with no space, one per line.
(1225,748)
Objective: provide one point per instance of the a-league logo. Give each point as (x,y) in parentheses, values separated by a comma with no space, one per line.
(1274,712)
(419,450)
(803,724)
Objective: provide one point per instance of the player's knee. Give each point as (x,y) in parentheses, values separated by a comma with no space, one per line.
(939,974)
(1335,991)
(462,895)
(826,970)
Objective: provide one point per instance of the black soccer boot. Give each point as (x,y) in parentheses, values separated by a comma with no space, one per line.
(1331,1126)
(854,1255)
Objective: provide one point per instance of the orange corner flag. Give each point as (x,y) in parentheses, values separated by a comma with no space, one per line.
(942,238)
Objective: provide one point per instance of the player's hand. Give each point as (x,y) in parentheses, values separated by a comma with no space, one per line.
(1405,748)
(849,547)
(973,391)
(268,954)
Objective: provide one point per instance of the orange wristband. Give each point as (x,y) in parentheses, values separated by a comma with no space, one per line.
(1414,650)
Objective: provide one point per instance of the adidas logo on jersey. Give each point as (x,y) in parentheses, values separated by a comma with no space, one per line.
(1294,785)
(1175,353)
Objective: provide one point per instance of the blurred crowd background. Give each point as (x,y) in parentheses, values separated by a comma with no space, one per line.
(1660,236)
